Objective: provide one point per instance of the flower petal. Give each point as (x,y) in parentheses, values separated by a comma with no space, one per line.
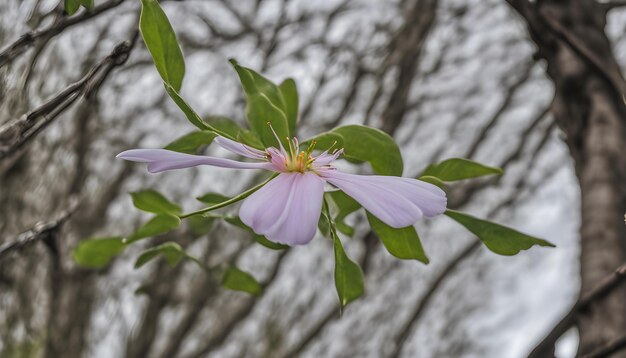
(240,148)
(287,209)
(398,202)
(160,160)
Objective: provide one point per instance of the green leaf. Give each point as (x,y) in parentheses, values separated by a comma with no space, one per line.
(363,143)
(159,36)
(153,202)
(212,198)
(97,252)
(241,135)
(71,6)
(499,239)
(433,180)
(87,4)
(191,115)
(264,104)
(343,206)
(458,169)
(200,225)
(158,225)
(403,243)
(190,142)
(290,94)
(171,251)
(234,220)
(237,280)
(348,275)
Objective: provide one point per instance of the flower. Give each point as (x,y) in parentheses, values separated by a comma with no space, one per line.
(287,209)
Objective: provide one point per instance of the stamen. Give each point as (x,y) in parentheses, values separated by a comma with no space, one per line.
(276,136)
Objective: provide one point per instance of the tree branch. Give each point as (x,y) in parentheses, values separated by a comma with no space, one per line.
(41,231)
(16,133)
(30,38)
(546,346)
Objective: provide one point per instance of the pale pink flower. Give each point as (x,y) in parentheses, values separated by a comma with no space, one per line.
(287,209)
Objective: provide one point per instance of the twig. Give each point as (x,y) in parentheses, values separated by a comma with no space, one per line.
(16,133)
(546,346)
(30,38)
(41,231)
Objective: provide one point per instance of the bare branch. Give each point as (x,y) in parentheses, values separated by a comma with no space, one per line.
(41,231)
(16,133)
(30,38)
(546,346)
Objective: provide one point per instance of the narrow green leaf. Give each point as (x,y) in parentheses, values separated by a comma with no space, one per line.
(237,280)
(234,220)
(499,239)
(97,252)
(212,198)
(153,202)
(190,142)
(264,104)
(171,251)
(71,6)
(348,275)
(403,243)
(290,94)
(458,169)
(159,36)
(158,225)
(361,143)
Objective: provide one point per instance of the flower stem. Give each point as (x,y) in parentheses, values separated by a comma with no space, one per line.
(232,200)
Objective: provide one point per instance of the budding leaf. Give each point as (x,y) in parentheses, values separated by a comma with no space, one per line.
(153,202)
(403,243)
(171,251)
(237,280)
(159,36)
(458,169)
(97,252)
(499,239)
(190,142)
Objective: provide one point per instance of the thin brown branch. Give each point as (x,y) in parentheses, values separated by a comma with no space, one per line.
(33,37)
(40,232)
(16,133)
(546,346)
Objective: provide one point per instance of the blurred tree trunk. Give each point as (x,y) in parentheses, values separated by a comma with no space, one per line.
(589,107)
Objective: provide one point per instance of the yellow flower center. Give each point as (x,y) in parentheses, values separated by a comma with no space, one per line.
(297,160)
